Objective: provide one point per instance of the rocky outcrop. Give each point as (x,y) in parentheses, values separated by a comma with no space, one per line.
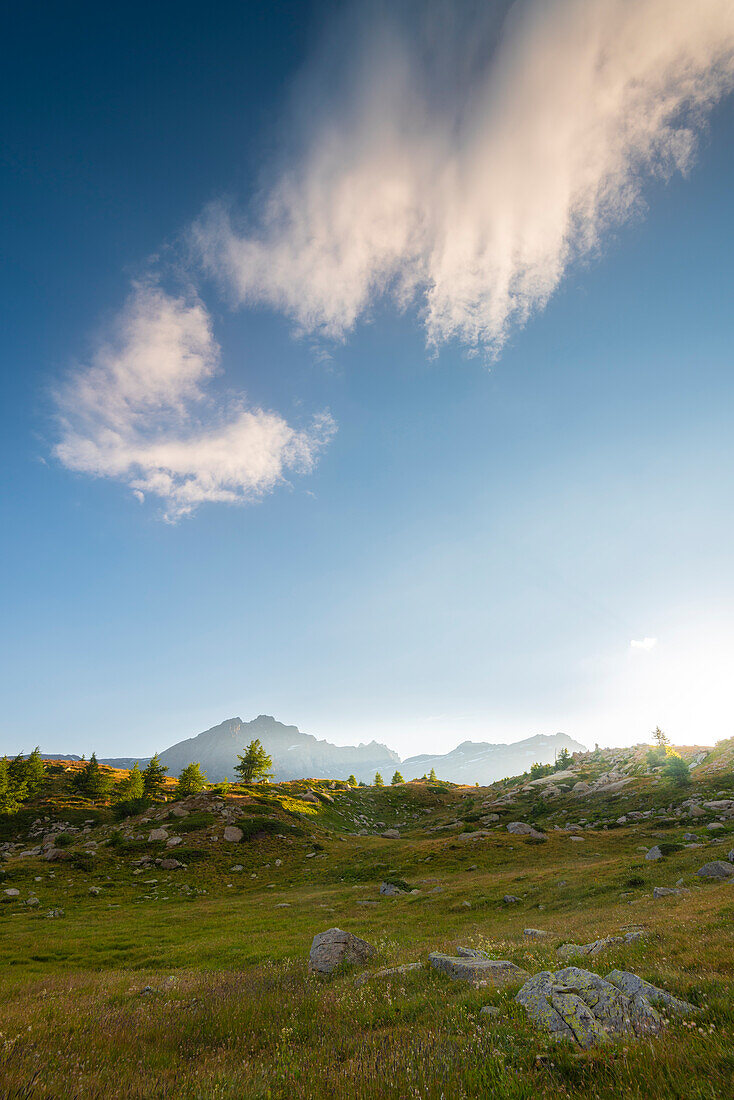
(586,1009)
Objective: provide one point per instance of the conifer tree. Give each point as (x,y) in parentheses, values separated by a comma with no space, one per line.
(34,772)
(379,782)
(432,775)
(10,794)
(190,781)
(352,781)
(91,781)
(130,788)
(153,777)
(254,763)
(397,778)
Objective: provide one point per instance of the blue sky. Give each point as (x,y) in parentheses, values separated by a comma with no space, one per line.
(333,389)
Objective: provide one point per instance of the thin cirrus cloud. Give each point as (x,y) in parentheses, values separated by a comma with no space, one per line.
(463,168)
(645,645)
(140,414)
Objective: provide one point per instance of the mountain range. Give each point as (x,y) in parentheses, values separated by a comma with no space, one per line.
(298,755)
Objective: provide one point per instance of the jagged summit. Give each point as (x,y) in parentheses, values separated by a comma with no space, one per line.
(295,754)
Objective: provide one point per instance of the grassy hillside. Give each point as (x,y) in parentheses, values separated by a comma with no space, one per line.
(192,981)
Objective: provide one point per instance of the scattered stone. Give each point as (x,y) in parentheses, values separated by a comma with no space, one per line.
(391,834)
(718,869)
(471,953)
(668,892)
(578,839)
(333,947)
(174,841)
(716,826)
(654,853)
(157,834)
(477,834)
(580,950)
(489,1010)
(535,933)
(95,891)
(389,972)
(390,890)
(580,1006)
(169,864)
(54,914)
(477,971)
(521,828)
(233,834)
(691,838)
(510,899)
(11,892)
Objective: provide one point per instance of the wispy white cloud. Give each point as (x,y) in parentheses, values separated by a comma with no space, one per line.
(466,171)
(140,413)
(644,644)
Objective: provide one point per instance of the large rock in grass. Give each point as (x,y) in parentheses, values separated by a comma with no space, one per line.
(521,828)
(334,947)
(391,890)
(718,869)
(233,834)
(586,1009)
(477,971)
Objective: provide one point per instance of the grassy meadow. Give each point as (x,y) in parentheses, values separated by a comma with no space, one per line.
(193,982)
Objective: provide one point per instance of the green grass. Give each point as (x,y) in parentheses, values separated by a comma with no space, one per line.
(233,1012)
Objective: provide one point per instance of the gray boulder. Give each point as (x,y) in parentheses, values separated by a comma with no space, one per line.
(521,828)
(477,971)
(333,947)
(157,834)
(390,890)
(654,853)
(391,834)
(535,933)
(232,834)
(584,1008)
(668,891)
(717,869)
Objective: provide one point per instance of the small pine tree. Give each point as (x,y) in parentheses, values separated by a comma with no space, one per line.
(432,775)
(352,781)
(130,788)
(397,778)
(563,759)
(677,770)
(92,782)
(254,764)
(190,781)
(9,794)
(660,738)
(153,778)
(35,771)
(17,770)
(379,781)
